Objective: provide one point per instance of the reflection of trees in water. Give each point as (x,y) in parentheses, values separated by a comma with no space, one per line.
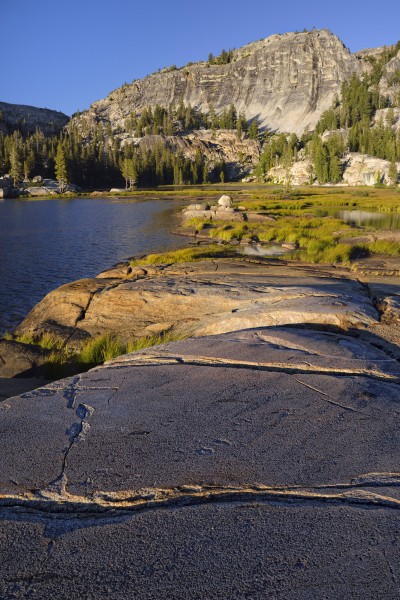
(362,218)
(158,229)
(380,220)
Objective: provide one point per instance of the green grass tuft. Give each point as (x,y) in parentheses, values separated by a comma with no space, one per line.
(184,255)
(387,247)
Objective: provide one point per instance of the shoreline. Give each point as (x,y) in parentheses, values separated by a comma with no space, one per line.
(374,269)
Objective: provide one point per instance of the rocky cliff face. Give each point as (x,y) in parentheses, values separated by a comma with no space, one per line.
(239,154)
(390,81)
(285,81)
(27,118)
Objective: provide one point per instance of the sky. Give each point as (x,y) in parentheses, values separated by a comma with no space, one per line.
(65,55)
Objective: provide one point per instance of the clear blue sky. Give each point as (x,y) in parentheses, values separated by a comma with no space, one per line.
(65,55)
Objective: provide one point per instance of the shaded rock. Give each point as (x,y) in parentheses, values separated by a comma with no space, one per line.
(20,359)
(196,207)
(138,271)
(10,387)
(279,444)
(41,191)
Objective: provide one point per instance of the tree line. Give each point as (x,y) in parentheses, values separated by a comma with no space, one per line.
(349,123)
(92,156)
(179,119)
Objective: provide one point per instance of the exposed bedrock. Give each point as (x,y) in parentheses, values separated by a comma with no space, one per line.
(258,463)
(285,81)
(202,298)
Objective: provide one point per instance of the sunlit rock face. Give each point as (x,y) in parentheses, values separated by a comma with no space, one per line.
(286,81)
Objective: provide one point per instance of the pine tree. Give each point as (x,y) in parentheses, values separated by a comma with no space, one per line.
(61,168)
(16,170)
(393,173)
(253,130)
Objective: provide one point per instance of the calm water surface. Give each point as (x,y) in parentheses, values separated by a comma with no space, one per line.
(46,243)
(363,218)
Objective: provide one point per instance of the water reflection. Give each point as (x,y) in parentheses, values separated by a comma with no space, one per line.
(363,218)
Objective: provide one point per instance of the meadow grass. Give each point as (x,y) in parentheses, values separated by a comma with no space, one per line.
(44,340)
(318,238)
(386,247)
(63,361)
(184,255)
(229,232)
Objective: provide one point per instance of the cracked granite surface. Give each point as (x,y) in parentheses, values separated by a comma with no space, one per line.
(258,463)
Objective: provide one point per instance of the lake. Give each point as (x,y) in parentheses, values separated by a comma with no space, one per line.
(363,218)
(45,243)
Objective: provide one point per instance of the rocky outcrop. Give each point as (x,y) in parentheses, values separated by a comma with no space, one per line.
(358,169)
(201,299)
(285,81)
(300,173)
(260,462)
(239,154)
(389,84)
(20,359)
(361,169)
(28,118)
(49,187)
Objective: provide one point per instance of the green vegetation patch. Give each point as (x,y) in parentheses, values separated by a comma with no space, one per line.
(64,362)
(184,255)
(303,217)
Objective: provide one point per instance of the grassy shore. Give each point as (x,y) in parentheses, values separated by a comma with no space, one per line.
(318,239)
(62,361)
(296,220)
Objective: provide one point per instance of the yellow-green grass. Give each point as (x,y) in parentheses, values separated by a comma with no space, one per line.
(45,340)
(184,255)
(385,247)
(107,346)
(229,232)
(63,362)
(318,237)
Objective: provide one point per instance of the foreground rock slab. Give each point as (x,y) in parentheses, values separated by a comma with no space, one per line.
(258,463)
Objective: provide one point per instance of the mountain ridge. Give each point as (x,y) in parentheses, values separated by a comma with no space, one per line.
(285,81)
(27,118)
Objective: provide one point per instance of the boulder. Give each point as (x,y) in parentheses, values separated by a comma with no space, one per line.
(20,359)
(361,169)
(197,207)
(205,298)
(41,191)
(225,201)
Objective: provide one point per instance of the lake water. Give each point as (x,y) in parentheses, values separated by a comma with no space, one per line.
(45,243)
(363,218)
